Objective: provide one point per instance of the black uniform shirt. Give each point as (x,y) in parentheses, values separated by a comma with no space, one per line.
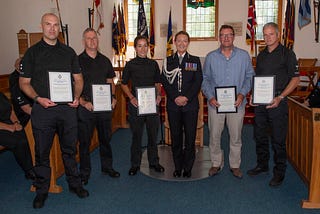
(5,108)
(18,98)
(41,58)
(94,71)
(142,72)
(281,62)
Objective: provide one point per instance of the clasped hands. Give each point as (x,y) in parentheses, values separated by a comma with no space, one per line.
(14,127)
(181,101)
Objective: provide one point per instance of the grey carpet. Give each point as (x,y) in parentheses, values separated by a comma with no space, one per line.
(200,169)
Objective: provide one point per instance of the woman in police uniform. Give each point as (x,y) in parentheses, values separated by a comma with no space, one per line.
(181,79)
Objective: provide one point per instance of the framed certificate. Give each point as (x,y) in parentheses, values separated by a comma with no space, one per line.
(60,87)
(147,103)
(263,90)
(226,96)
(101,97)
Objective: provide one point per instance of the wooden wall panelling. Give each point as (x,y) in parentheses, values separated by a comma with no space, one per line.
(303,148)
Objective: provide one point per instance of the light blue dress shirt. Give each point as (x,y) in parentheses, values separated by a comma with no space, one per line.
(220,71)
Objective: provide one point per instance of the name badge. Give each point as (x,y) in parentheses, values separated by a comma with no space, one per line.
(191,66)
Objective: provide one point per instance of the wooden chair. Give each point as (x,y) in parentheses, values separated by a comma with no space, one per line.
(254,61)
(304,62)
(307,79)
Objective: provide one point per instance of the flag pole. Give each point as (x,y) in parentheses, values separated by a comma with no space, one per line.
(316,6)
(255,43)
(67,34)
(58,8)
(92,14)
(89,16)
(63,28)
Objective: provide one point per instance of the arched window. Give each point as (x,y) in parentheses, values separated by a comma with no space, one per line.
(200,19)
(267,11)
(131,13)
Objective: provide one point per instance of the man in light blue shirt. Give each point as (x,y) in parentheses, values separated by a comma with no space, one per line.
(224,67)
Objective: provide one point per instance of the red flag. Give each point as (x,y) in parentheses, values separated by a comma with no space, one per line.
(251,24)
(291,26)
(98,4)
(288,30)
(122,32)
(152,39)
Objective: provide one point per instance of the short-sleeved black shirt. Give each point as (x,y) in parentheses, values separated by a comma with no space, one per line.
(18,98)
(142,72)
(41,58)
(95,71)
(281,62)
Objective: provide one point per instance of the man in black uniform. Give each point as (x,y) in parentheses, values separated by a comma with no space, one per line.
(96,69)
(181,79)
(13,137)
(47,117)
(22,104)
(281,62)
(142,72)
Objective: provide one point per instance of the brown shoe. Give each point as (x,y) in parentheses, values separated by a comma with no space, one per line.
(236,172)
(214,170)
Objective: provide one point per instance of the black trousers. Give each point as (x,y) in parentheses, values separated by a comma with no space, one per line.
(273,122)
(183,130)
(137,127)
(87,121)
(17,142)
(45,123)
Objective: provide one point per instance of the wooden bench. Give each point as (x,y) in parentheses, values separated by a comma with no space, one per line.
(4,88)
(303,148)
(4,84)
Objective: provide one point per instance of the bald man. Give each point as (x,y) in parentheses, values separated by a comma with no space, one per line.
(49,117)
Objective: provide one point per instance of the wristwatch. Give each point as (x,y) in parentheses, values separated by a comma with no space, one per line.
(35,99)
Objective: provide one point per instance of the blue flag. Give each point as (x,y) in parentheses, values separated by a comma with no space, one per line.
(142,29)
(304,17)
(152,39)
(169,36)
